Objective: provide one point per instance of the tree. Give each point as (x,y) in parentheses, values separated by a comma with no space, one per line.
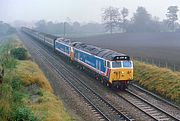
(155,25)
(124,13)
(172,17)
(110,18)
(140,21)
(177,26)
(76,27)
(41,25)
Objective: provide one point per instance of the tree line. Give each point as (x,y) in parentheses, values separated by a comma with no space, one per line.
(116,20)
(68,28)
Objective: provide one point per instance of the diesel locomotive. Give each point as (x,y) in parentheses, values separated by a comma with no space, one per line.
(112,68)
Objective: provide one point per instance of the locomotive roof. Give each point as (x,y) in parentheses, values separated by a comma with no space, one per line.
(103,53)
(65,41)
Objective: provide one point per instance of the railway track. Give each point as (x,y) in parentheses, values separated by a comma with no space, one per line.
(102,107)
(154,95)
(145,106)
(152,111)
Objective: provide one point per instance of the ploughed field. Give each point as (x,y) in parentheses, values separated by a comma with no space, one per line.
(162,48)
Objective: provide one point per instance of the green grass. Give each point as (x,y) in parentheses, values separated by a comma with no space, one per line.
(159,80)
(15,102)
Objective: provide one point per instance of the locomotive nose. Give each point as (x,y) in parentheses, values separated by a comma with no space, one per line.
(122,75)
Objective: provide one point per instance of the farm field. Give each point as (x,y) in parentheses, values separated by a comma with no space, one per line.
(163,47)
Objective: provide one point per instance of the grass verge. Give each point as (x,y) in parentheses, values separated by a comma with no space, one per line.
(25,93)
(159,80)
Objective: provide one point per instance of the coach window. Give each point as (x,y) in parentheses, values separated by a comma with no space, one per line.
(66,50)
(105,63)
(78,55)
(108,64)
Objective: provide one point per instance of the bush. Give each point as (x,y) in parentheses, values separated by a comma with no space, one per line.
(23,114)
(16,84)
(19,53)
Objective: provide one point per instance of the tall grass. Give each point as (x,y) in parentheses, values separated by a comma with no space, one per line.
(159,80)
(30,73)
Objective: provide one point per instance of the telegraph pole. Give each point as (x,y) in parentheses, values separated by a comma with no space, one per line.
(64,29)
(66,26)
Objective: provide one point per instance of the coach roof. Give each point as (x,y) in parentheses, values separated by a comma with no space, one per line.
(49,36)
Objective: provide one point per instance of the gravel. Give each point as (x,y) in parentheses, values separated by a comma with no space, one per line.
(168,108)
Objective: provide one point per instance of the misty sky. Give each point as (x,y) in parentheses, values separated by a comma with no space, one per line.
(76,10)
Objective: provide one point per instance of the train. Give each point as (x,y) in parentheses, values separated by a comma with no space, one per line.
(112,68)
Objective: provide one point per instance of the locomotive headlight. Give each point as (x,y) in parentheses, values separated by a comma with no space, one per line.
(122,72)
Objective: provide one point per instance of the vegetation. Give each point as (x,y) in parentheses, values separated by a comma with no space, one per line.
(172,17)
(50,107)
(115,20)
(22,113)
(141,21)
(30,74)
(159,80)
(25,93)
(66,28)
(124,12)
(12,101)
(19,53)
(6,29)
(111,18)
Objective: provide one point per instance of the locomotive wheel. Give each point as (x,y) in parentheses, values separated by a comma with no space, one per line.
(108,85)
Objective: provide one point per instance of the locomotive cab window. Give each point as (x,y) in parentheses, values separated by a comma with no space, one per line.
(116,64)
(127,64)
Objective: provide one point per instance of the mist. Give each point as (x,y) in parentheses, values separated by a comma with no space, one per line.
(75,10)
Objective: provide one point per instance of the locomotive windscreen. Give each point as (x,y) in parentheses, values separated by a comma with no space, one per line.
(116,58)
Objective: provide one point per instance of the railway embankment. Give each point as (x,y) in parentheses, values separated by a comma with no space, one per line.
(25,93)
(161,81)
